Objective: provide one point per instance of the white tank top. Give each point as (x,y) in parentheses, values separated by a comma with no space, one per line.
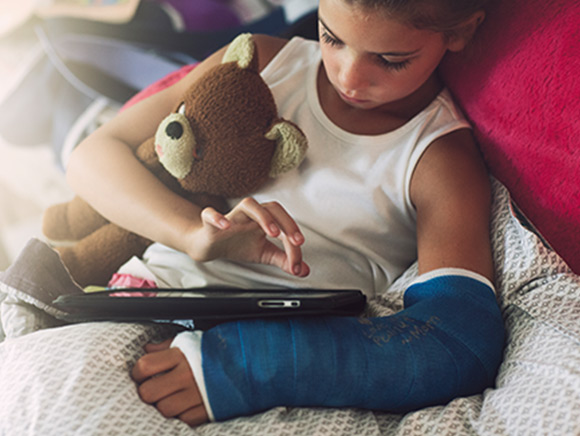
(350,196)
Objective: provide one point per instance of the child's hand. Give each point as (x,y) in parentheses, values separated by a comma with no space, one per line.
(243,234)
(165,380)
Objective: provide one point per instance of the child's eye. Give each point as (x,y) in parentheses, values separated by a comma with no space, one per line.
(395,66)
(327,39)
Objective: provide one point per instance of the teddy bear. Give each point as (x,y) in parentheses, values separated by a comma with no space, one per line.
(223,140)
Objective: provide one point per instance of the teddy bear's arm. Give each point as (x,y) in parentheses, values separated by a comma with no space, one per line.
(71,221)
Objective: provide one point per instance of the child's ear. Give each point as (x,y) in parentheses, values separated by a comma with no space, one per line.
(463,33)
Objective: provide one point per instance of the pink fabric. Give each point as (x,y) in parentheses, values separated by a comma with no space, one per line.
(130,281)
(161,84)
(133,294)
(520,87)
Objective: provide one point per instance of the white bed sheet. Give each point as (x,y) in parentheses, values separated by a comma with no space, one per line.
(74,380)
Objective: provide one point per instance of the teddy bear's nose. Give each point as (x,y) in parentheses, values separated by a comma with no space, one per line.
(174,130)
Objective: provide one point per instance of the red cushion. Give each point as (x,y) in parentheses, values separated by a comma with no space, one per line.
(159,85)
(519,84)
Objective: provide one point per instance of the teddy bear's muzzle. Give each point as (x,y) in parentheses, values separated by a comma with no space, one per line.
(175,145)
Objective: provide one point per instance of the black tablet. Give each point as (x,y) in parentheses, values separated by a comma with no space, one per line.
(214,303)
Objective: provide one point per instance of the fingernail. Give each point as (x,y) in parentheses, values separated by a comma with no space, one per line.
(297,269)
(274,229)
(298,238)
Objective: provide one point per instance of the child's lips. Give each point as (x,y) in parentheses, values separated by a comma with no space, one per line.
(351,99)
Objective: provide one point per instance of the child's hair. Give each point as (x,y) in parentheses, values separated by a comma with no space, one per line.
(443,16)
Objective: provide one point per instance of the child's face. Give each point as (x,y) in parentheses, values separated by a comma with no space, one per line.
(371,60)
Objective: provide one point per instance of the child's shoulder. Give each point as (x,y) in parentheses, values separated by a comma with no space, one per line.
(268,47)
(451,170)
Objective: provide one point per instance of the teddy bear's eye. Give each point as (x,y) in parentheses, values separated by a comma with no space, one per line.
(181,109)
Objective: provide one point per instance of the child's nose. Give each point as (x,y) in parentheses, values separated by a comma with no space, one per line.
(352,75)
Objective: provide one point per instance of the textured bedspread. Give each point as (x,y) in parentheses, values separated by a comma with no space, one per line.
(74,379)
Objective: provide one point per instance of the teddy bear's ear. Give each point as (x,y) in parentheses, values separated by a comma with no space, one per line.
(243,51)
(291,145)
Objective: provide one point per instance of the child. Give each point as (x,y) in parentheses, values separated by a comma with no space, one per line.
(392,174)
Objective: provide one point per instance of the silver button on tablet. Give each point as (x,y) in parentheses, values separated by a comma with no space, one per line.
(279,304)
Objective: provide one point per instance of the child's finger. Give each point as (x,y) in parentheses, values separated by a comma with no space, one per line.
(277,222)
(211,216)
(250,210)
(179,402)
(286,223)
(168,384)
(292,239)
(152,347)
(271,217)
(152,364)
(293,257)
(195,416)
(289,261)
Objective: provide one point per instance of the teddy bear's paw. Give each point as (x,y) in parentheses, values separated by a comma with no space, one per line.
(84,270)
(66,223)
(82,274)
(94,259)
(55,227)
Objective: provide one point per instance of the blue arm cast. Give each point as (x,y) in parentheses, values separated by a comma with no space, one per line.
(446,343)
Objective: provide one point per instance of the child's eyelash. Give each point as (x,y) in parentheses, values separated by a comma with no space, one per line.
(327,39)
(395,66)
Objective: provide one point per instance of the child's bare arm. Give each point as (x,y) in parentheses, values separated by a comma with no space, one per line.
(451,192)
(105,172)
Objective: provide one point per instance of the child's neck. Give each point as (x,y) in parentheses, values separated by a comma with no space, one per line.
(383,119)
